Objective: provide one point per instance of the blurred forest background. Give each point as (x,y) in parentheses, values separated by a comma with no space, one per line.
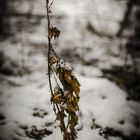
(104,34)
(99,38)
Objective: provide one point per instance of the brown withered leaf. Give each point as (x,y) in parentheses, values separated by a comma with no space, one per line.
(56,32)
(68,80)
(53,32)
(67,75)
(76,85)
(71,108)
(70,99)
(57,95)
(53,58)
(67,136)
(75,119)
(58,90)
(50,11)
(72,80)
(60,115)
(57,98)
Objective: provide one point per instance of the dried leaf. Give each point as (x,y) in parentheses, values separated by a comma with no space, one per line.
(57,95)
(53,58)
(70,99)
(76,85)
(60,115)
(57,98)
(53,32)
(75,119)
(71,108)
(50,11)
(72,80)
(56,32)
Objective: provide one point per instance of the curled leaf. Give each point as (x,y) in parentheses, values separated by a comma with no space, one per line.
(56,32)
(57,95)
(53,32)
(68,79)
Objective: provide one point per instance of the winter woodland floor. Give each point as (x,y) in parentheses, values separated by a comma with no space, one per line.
(105,111)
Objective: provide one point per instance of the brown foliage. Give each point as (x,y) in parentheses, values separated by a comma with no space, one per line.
(65,95)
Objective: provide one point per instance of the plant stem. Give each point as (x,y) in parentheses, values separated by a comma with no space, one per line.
(49,51)
(49,46)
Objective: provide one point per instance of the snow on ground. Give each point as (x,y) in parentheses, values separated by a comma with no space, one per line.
(101,102)
(104,101)
(100,99)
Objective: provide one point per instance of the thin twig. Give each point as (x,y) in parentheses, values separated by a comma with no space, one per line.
(49,47)
(51,4)
(55,76)
(49,68)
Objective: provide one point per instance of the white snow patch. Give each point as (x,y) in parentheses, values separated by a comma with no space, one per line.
(100,99)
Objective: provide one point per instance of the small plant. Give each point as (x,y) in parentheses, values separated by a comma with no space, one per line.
(65,95)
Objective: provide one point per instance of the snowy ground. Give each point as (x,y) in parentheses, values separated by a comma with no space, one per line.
(25,102)
(25,97)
